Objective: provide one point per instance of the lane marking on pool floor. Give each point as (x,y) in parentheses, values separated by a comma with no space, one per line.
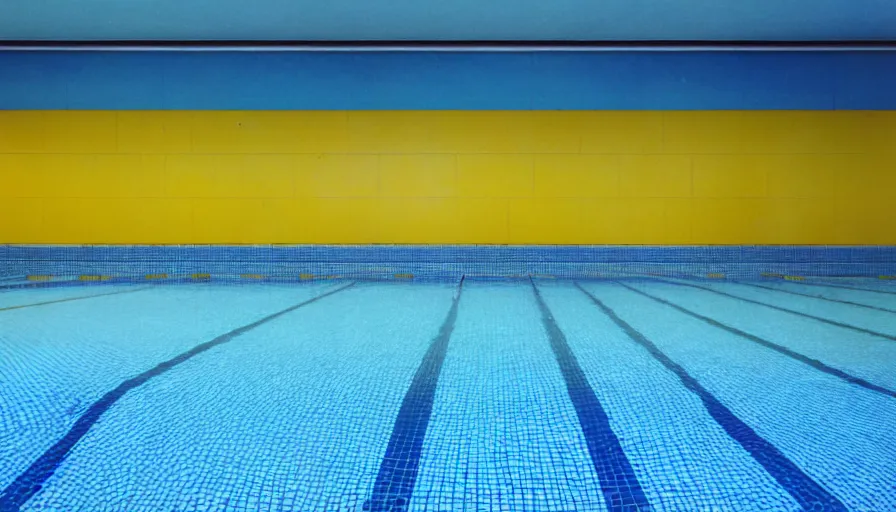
(620,487)
(69,299)
(843,286)
(819,297)
(397,475)
(814,363)
(32,479)
(779,308)
(807,492)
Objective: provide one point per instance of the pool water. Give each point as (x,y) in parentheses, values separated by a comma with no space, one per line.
(544,395)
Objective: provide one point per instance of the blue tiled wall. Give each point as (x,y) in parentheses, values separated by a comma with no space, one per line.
(445,262)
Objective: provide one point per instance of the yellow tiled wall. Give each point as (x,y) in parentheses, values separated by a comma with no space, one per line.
(448,177)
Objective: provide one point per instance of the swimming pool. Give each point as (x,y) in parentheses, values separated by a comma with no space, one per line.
(536,395)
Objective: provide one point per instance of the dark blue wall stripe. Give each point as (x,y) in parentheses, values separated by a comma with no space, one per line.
(397,476)
(814,363)
(786,310)
(30,482)
(809,494)
(619,484)
(820,297)
(433,81)
(69,299)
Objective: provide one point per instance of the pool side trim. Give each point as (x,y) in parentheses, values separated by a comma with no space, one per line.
(32,479)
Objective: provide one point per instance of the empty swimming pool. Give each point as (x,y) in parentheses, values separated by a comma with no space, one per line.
(524,395)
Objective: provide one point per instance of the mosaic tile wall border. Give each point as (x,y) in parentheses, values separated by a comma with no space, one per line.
(434,262)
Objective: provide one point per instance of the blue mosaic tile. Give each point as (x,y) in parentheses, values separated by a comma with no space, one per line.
(640,394)
(447,262)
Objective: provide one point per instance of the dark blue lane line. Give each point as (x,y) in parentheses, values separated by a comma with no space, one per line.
(809,494)
(820,297)
(786,310)
(397,476)
(814,363)
(30,482)
(618,482)
(830,285)
(80,297)
(50,284)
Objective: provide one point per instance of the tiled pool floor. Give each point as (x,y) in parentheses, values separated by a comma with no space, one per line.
(626,396)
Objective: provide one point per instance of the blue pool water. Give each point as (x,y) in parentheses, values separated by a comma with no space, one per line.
(636,395)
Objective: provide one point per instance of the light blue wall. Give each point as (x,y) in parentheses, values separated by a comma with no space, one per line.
(470,81)
(449,19)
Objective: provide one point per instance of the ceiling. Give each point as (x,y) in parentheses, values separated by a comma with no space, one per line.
(447,20)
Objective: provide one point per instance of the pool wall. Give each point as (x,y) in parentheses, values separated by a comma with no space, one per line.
(667,148)
(38,266)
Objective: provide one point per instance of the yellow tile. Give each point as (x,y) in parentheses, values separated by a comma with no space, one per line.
(869,221)
(831,131)
(21,220)
(338,220)
(558,131)
(153,131)
(799,221)
(71,220)
(494,175)
(885,131)
(804,175)
(205,176)
(482,221)
(418,175)
(229,220)
(160,220)
(214,132)
(62,175)
(294,132)
(679,220)
(337,175)
(729,176)
(576,175)
(268,132)
(480,131)
(389,132)
(655,176)
(136,220)
(632,132)
(566,221)
(417,220)
(635,220)
(269,175)
(548,220)
(771,132)
(608,221)
(729,221)
(120,176)
(700,132)
(872,175)
(16,176)
(22,131)
(80,131)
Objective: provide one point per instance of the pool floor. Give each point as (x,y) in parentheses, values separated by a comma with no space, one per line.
(544,395)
